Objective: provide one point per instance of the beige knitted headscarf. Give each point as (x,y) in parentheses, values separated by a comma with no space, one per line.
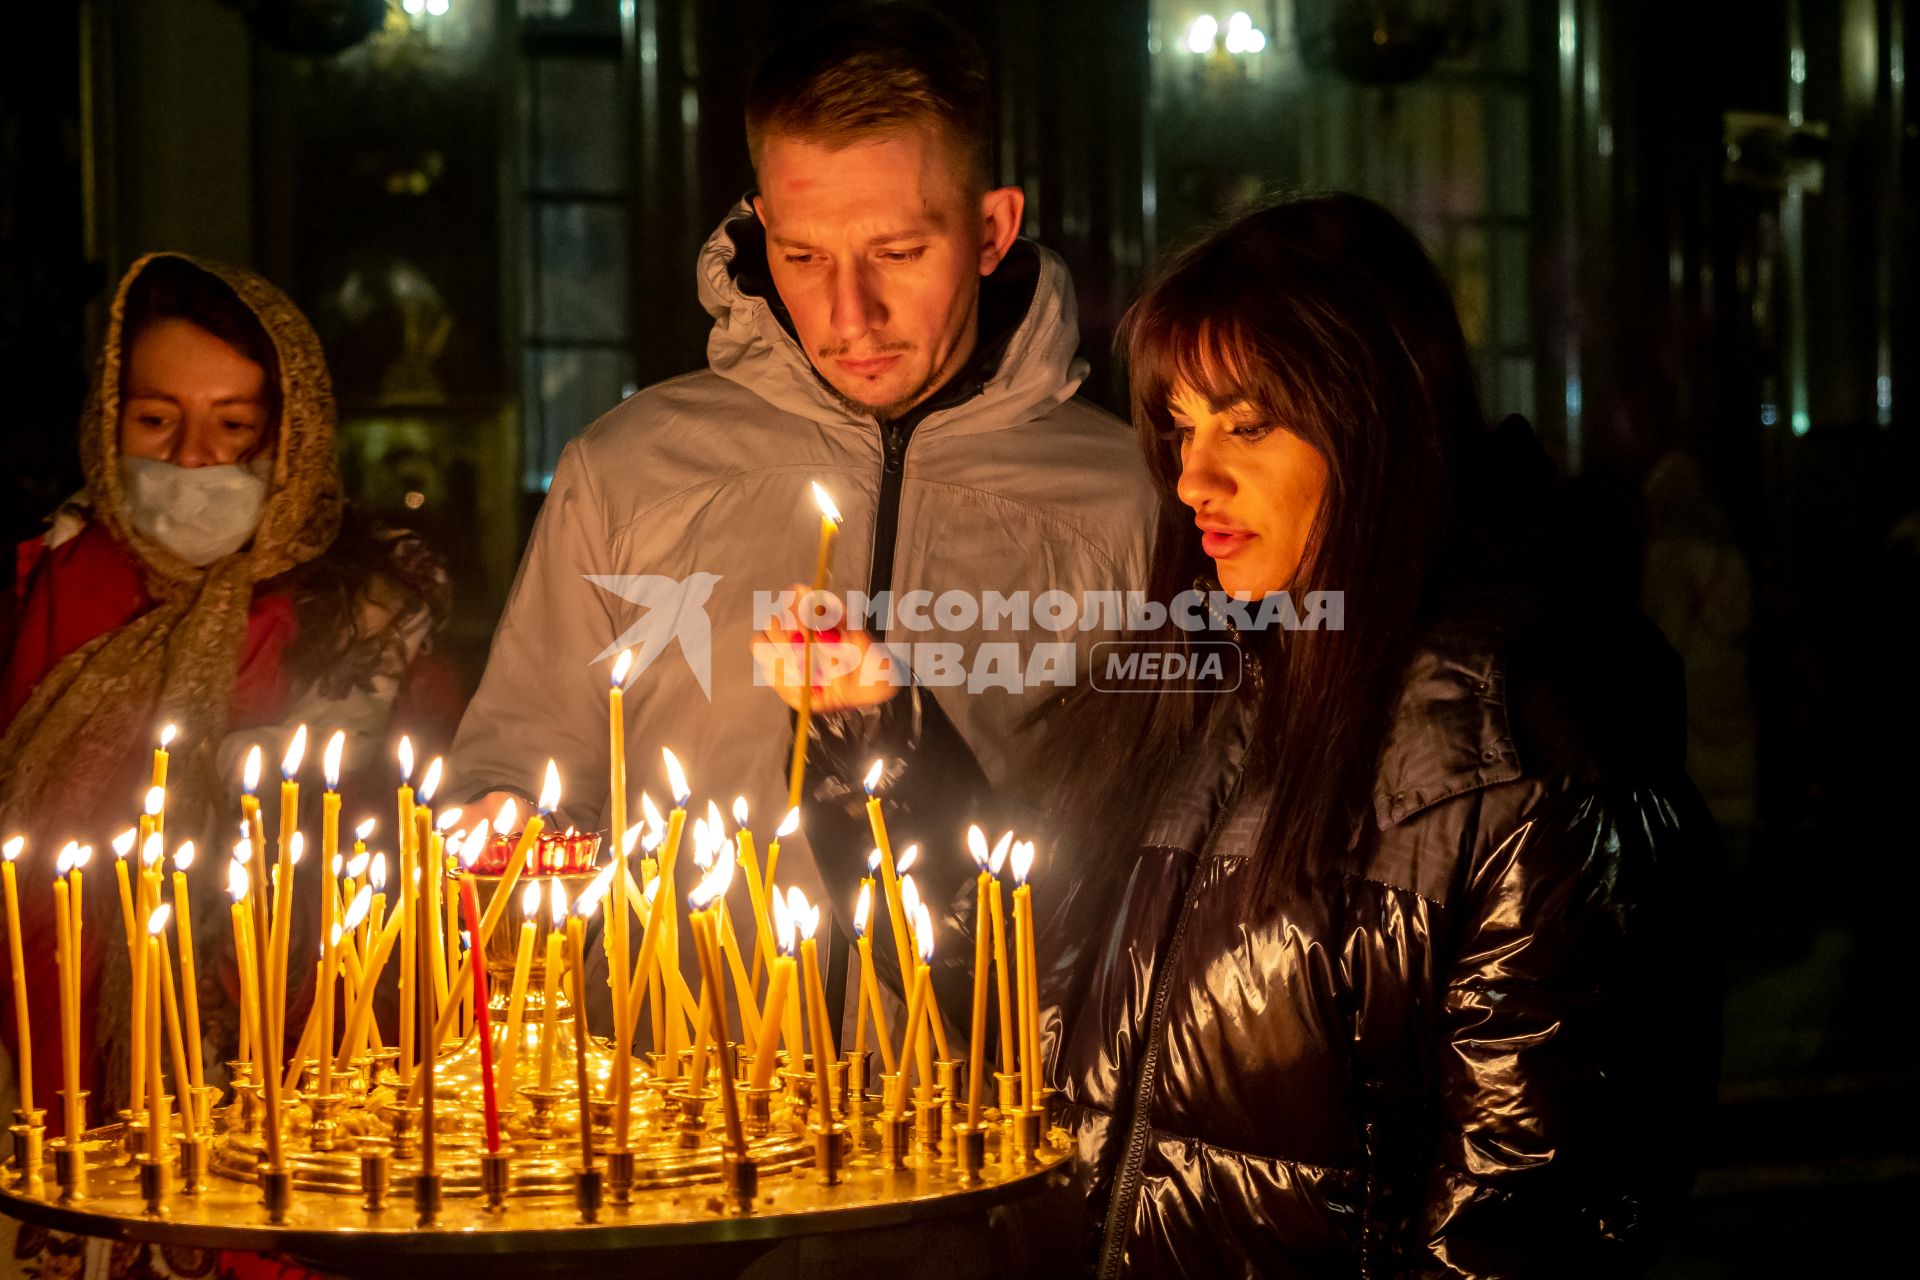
(177,661)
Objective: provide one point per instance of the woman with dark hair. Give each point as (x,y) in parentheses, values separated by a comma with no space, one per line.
(210,576)
(1382,958)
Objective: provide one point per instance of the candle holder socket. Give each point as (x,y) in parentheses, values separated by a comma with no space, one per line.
(693,1116)
(250,1103)
(429,1190)
(1024,1130)
(404,1132)
(323,1131)
(376,1166)
(153,1185)
(204,1099)
(276,1193)
(600,1115)
(837,1086)
(359,1076)
(587,1191)
(540,1121)
(297,1071)
(859,1065)
(29,1135)
(193,1164)
(1006,1086)
(385,1068)
(829,1152)
(496,1177)
(799,1082)
(927,1129)
(739,1180)
(620,1175)
(896,1140)
(70,1169)
(946,1077)
(756,1110)
(970,1147)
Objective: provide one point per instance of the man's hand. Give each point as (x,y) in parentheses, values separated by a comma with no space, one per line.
(841,678)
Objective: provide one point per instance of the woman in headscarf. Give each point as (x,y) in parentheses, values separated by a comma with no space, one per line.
(210,576)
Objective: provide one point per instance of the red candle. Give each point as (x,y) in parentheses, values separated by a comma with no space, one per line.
(488,1098)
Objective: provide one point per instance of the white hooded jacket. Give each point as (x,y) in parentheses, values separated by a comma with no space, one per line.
(1019,487)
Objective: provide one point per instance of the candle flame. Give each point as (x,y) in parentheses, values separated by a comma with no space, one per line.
(923,933)
(651,841)
(157,922)
(783,923)
(404,753)
(550,789)
(82,856)
(509,814)
(1022,860)
(873,861)
(123,843)
(872,779)
(364,830)
(909,898)
(631,837)
(977,845)
(473,844)
(330,763)
(622,665)
(998,858)
(701,896)
(676,779)
(362,904)
(296,753)
(339,864)
(702,844)
(827,509)
(651,812)
(296,848)
(861,909)
(167,733)
(557,901)
(789,824)
(805,915)
(243,850)
(183,856)
(357,865)
(11,849)
(589,901)
(63,861)
(377,873)
(722,872)
(431,783)
(155,802)
(250,774)
(237,881)
(530,900)
(150,850)
(651,891)
(740,810)
(446,819)
(908,856)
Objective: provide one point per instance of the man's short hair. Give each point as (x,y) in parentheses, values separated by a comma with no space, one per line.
(871,70)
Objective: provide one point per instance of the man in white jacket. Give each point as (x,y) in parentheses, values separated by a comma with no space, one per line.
(880,328)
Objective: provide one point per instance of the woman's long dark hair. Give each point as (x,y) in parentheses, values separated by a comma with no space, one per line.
(1326,315)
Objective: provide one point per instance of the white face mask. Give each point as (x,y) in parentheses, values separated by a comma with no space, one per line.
(199,513)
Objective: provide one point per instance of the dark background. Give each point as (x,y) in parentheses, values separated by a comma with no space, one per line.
(1681,236)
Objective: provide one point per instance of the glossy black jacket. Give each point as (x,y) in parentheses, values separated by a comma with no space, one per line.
(1485,1052)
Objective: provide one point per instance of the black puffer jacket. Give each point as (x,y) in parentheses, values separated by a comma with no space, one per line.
(1485,1053)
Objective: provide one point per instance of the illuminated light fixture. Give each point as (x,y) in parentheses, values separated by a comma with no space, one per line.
(1200,34)
(1243,36)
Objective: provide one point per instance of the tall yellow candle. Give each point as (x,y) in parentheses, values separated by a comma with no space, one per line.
(268,1049)
(1002,978)
(797,769)
(823,1048)
(614,929)
(982,962)
(889,877)
(278,939)
(23,1031)
(329,855)
(150,1010)
(409,891)
(517,993)
(916,1015)
(576,948)
(870,1001)
(550,981)
(189,984)
(360,1017)
(1022,862)
(167,734)
(69,1013)
(660,913)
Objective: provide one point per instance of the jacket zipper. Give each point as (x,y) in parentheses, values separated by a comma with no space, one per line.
(886,516)
(1127,1185)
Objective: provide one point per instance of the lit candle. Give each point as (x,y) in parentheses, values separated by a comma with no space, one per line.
(808,918)
(67,956)
(982,930)
(409,890)
(488,1094)
(429,854)
(697,919)
(189,986)
(911,905)
(278,938)
(123,847)
(156,1090)
(1022,862)
(788,825)
(576,952)
(429,1051)
(329,855)
(517,993)
(550,981)
(1001,979)
(359,1018)
(916,1014)
(614,929)
(869,999)
(167,734)
(779,983)
(244,958)
(661,915)
(797,770)
(23,1033)
(756,890)
(889,876)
